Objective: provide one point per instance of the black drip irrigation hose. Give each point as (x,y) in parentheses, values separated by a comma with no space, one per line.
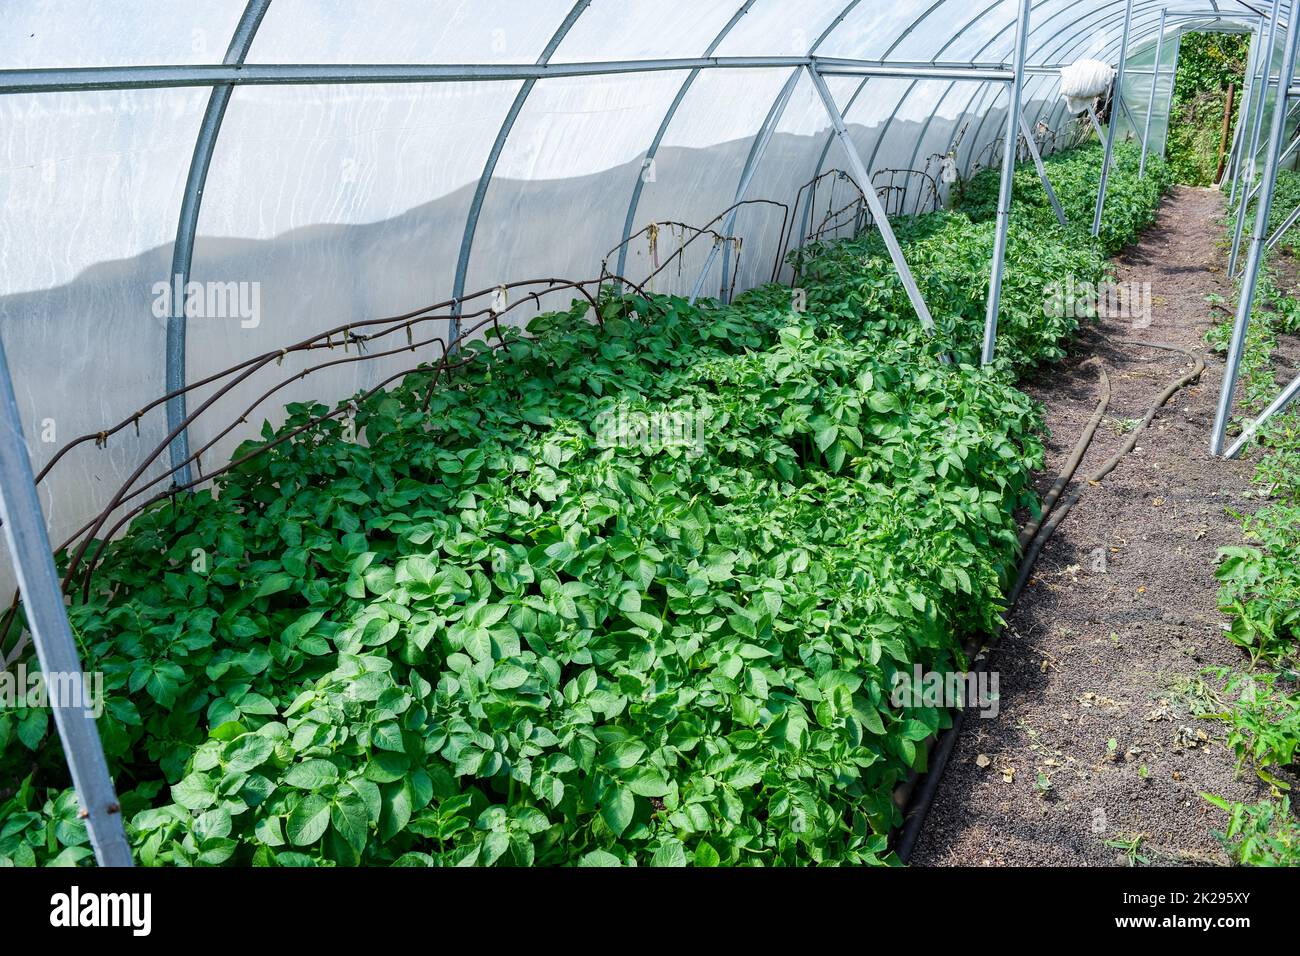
(1036,533)
(1072,463)
(973,649)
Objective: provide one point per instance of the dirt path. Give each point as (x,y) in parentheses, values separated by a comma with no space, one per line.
(1097,741)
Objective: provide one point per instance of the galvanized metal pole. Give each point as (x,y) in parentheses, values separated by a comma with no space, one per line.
(1173,83)
(760,145)
(183,249)
(1250,278)
(1243,116)
(1042,170)
(1257,125)
(873,202)
(1096,124)
(38,583)
(647,164)
(490,166)
(756,150)
(1151,96)
(1132,121)
(1116,98)
(1286,154)
(1277,405)
(1014,120)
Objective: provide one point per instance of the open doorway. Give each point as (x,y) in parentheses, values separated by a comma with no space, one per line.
(1207,97)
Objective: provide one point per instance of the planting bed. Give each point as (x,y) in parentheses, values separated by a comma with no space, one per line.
(631,591)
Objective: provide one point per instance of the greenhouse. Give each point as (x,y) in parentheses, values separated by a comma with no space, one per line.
(612,433)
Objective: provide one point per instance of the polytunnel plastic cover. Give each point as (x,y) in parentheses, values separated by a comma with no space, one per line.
(329,204)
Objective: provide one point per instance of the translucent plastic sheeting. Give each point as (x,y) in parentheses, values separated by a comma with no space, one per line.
(788,163)
(1270,99)
(625,31)
(553,217)
(90,186)
(985,31)
(405,31)
(1139,77)
(340,204)
(876,30)
(699,164)
(784,28)
(71,33)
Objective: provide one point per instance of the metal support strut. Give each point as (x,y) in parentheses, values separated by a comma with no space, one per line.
(1037,157)
(1117,97)
(1250,276)
(183,250)
(1248,170)
(47,619)
(1151,95)
(1014,121)
(873,203)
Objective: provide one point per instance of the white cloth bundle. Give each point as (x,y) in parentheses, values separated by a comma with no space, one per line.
(1083,80)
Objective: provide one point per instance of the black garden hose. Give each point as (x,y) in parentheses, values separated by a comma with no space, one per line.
(903,792)
(1071,463)
(942,749)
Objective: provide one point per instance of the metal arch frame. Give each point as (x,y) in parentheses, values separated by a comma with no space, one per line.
(1241,20)
(1151,95)
(983,91)
(1106,17)
(1257,123)
(871,161)
(986,111)
(756,149)
(186,228)
(490,166)
(889,121)
(47,620)
(1021,26)
(1101,19)
(1078,38)
(1113,123)
(830,137)
(759,146)
(873,203)
(1244,114)
(653,150)
(1014,118)
(1254,256)
(1247,95)
(1068,48)
(1083,30)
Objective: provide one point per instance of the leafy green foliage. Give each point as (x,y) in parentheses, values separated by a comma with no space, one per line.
(1207,63)
(949,255)
(511,629)
(1130,202)
(1261,583)
(1265,724)
(1260,834)
(1260,589)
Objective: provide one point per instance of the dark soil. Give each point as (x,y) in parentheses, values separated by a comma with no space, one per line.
(1098,755)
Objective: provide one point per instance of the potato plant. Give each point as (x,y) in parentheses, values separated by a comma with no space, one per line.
(520,628)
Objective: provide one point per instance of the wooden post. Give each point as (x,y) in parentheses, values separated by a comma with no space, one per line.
(1223,135)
